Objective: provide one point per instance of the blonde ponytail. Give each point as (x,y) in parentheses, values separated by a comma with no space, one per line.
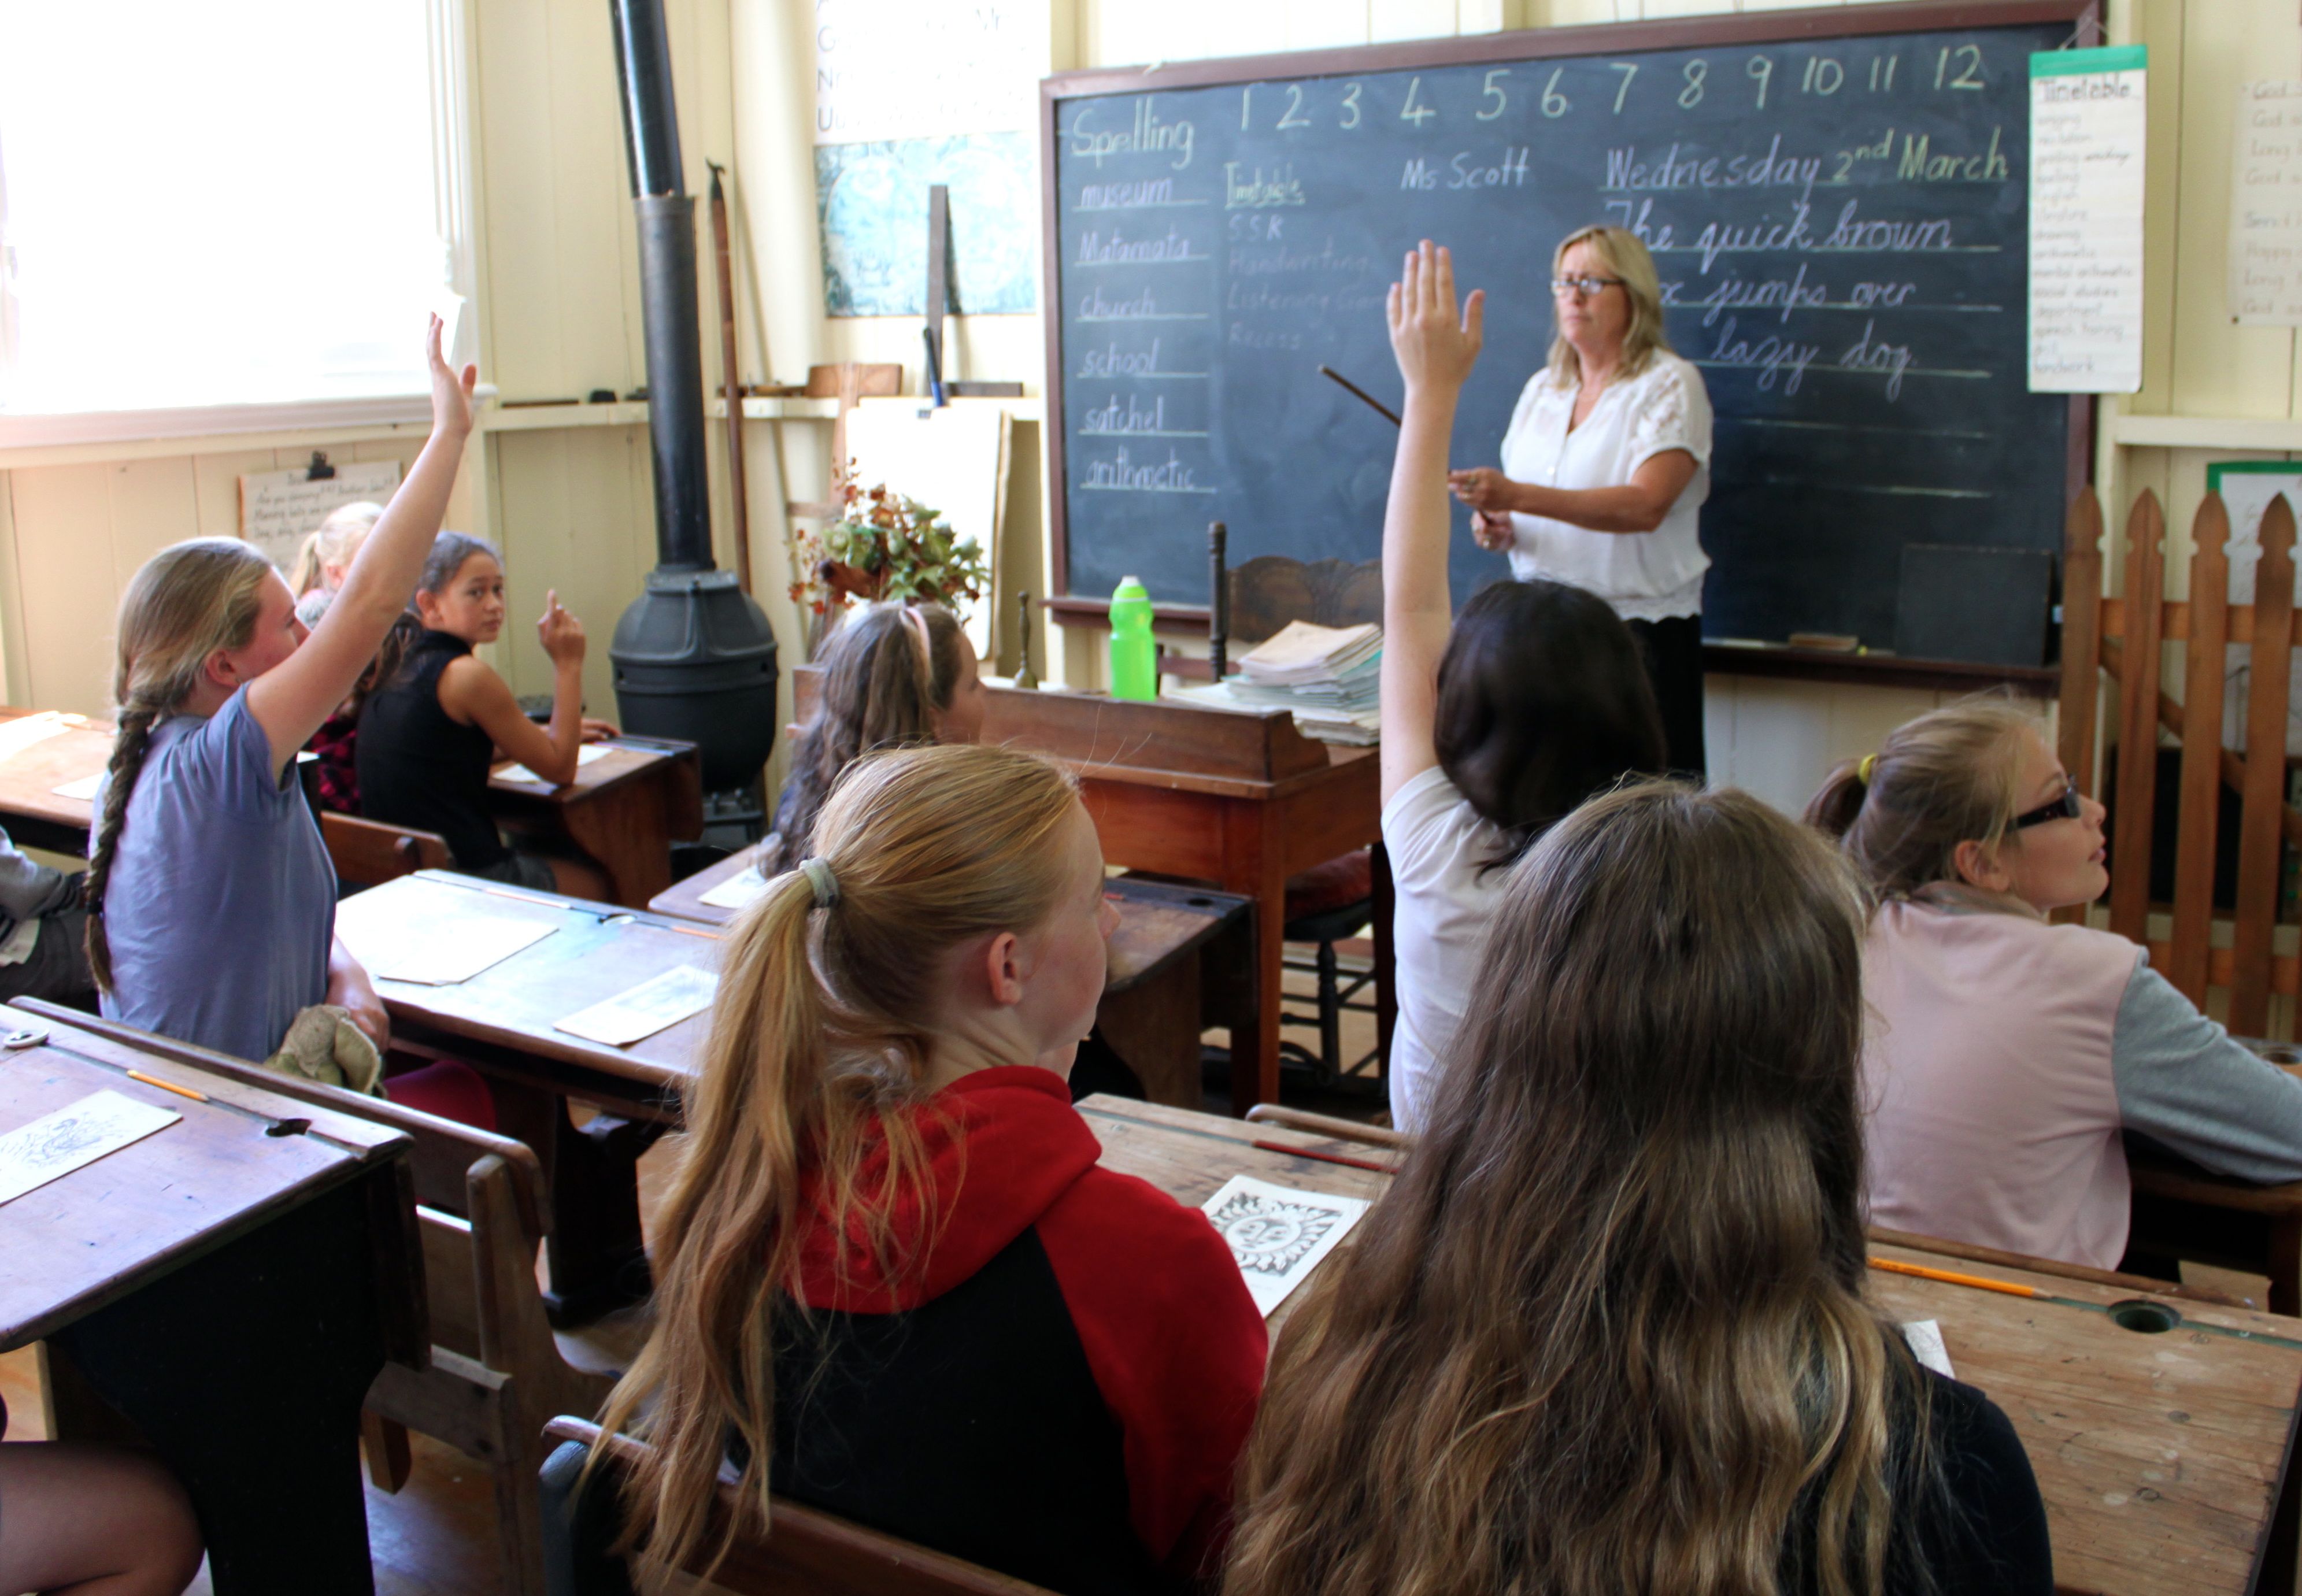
(820,1042)
(181,605)
(334,543)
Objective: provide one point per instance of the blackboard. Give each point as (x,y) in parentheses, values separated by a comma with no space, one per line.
(1836,200)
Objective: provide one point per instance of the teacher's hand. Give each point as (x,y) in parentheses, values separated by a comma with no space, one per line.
(1483,488)
(1492,532)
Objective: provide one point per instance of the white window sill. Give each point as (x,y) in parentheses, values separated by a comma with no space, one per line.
(210,421)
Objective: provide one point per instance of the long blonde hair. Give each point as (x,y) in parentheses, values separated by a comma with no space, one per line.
(1937,781)
(334,543)
(820,1041)
(181,605)
(1628,259)
(1606,1333)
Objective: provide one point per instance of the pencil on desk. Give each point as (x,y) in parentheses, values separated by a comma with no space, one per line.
(167,1086)
(1948,1278)
(1367,1164)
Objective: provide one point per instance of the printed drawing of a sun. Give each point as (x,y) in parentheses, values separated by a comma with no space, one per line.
(1269,1237)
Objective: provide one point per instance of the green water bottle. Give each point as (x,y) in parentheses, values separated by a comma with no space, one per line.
(1134,657)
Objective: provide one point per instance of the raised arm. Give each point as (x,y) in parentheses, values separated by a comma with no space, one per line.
(1436,349)
(291,699)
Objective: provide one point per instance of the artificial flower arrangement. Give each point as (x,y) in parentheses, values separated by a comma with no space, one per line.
(885,545)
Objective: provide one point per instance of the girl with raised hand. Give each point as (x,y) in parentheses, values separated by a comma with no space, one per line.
(432,728)
(891,1280)
(211,899)
(1495,722)
(2010,1055)
(1606,1333)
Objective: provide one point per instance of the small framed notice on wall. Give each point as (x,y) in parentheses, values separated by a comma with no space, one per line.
(2087,149)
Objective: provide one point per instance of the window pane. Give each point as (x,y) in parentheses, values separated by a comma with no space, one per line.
(216,204)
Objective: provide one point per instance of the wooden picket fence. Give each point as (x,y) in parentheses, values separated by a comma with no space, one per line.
(2126,638)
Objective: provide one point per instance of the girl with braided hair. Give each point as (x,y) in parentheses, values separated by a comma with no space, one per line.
(204,845)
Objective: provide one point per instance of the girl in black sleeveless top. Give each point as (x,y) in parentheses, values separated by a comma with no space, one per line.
(428,735)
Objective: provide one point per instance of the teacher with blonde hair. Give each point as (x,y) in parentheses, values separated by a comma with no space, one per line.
(1605,466)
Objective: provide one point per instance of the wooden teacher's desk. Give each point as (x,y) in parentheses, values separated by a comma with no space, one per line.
(1170,959)
(70,748)
(1237,798)
(230,1284)
(2159,1454)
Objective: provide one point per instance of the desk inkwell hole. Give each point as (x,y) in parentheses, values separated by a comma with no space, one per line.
(2141,1315)
(1209,904)
(287,1127)
(2279,1052)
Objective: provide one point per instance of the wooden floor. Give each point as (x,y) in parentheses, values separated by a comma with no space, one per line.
(437,1537)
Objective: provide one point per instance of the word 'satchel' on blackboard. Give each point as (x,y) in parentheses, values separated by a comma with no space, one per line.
(1840,225)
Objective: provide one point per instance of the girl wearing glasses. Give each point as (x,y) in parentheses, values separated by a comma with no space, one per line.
(2006,1055)
(1605,466)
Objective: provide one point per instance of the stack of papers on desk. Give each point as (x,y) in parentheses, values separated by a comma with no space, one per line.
(1327,676)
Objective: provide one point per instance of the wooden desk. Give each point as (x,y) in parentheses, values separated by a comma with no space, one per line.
(623,810)
(231,1286)
(30,811)
(1240,799)
(502,1020)
(1181,960)
(2159,1455)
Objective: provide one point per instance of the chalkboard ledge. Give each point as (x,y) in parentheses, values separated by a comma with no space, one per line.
(1718,658)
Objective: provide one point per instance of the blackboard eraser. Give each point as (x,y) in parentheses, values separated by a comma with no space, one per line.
(1829,643)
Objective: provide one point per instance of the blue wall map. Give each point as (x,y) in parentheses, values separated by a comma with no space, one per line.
(871,203)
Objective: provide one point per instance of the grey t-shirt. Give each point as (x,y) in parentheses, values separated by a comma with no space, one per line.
(222,904)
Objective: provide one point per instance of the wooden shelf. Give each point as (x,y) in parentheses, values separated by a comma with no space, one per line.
(2277,433)
(1878,671)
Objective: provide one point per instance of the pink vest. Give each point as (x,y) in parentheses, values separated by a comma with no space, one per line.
(1992,1116)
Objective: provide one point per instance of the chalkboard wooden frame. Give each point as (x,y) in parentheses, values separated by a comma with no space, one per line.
(1916,16)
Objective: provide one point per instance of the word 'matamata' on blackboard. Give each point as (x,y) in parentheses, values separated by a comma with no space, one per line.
(1840,228)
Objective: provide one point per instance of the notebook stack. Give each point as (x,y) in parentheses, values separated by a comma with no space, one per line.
(1326,675)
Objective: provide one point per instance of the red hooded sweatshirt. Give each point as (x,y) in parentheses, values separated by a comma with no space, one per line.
(1059,1389)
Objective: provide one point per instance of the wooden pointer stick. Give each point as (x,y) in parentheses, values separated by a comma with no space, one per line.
(1379,408)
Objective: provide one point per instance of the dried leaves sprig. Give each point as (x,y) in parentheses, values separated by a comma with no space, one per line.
(886,546)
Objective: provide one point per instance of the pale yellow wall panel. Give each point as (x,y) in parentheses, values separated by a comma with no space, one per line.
(152,504)
(2166,209)
(594,245)
(511,133)
(64,558)
(1324,24)
(15,674)
(1388,19)
(2219,368)
(537,518)
(215,487)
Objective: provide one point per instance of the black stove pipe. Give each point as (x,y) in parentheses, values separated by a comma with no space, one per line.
(667,297)
(694,657)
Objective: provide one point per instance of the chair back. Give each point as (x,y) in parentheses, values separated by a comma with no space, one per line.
(805,1550)
(369,852)
(1270,590)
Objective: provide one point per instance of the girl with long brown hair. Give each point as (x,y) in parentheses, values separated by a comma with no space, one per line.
(211,900)
(2012,1055)
(892,1280)
(1606,1333)
(894,675)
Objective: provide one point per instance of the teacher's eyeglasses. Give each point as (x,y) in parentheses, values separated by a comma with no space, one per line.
(2065,808)
(1583,287)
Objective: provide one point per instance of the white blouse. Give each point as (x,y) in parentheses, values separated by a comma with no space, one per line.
(1645,575)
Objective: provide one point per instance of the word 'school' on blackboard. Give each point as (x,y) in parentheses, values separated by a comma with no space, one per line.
(1840,226)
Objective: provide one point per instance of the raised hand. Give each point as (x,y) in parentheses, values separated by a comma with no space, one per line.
(560,632)
(1435,345)
(451,391)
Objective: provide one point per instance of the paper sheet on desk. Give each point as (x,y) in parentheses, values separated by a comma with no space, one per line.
(737,891)
(651,1006)
(1277,1235)
(1924,1336)
(584,756)
(76,1135)
(455,951)
(19,734)
(83,789)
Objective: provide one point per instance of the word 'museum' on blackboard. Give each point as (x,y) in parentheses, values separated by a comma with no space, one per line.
(1840,224)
